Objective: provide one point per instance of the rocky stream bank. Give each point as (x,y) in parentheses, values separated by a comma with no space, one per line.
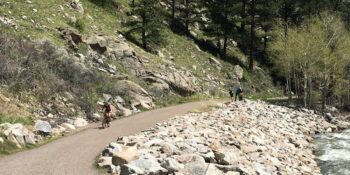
(236,138)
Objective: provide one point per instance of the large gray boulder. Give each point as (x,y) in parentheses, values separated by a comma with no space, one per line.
(180,82)
(227,157)
(43,127)
(172,165)
(19,135)
(138,97)
(149,164)
(124,157)
(197,166)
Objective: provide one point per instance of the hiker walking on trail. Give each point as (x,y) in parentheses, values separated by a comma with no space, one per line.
(232,93)
(239,94)
(107,115)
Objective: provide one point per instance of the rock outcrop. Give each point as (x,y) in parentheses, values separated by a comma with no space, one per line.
(138,97)
(181,82)
(238,138)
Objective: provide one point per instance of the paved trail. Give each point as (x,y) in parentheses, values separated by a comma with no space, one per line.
(75,154)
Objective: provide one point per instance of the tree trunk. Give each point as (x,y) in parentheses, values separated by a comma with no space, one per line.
(173,8)
(295,83)
(252,36)
(243,15)
(324,94)
(144,41)
(187,16)
(133,7)
(305,90)
(224,49)
(309,92)
(225,30)
(265,42)
(289,83)
(348,16)
(218,44)
(286,39)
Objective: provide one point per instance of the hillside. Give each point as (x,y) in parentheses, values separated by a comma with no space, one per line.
(60,58)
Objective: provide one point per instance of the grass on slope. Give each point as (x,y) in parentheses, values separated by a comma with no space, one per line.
(40,19)
(16,119)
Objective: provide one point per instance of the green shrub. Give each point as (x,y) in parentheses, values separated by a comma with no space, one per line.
(246,75)
(78,24)
(83,48)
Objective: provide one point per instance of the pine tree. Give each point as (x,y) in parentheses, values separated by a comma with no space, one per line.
(222,22)
(189,13)
(149,22)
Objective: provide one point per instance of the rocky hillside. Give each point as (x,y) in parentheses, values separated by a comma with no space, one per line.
(59,59)
(237,138)
(83,55)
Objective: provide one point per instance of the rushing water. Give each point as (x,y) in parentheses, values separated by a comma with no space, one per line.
(334,153)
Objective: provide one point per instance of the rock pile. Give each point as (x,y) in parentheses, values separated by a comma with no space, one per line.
(237,138)
(21,135)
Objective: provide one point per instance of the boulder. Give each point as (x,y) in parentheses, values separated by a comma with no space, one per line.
(169,149)
(112,149)
(130,170)
(181,82)
(212,169)
(226,157)
(124,157)
(120,100)
(329,117)
(159,89)
(138,96)
(20,135)
(104,162)
(96,117)
(128,53)
(149,164)
(75,4)
(30,139)
(80,122)
(238,71)
(43,127)
(196,166)
(172,165)
(58,130)
(72,36)
(68,126)
(4,128)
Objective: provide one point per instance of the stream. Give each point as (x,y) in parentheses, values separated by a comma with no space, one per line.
(334,153)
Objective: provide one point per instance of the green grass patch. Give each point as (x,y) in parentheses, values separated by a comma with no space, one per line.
(16,119)
(175,100)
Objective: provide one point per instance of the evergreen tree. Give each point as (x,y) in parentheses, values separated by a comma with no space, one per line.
(222,22)
(189,12)
(268,15)
(149,22)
